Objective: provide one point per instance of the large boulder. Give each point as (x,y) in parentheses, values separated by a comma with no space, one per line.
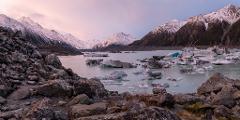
(92,88)
(21,93)
(80,99)
(225,97)
(80,110)
(55,88)
(53,60)
(214,84)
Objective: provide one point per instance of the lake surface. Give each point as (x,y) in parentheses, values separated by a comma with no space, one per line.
(133,83)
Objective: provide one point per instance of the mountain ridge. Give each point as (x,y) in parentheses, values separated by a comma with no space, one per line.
(208,29)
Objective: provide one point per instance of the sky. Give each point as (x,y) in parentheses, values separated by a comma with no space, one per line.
(98,19)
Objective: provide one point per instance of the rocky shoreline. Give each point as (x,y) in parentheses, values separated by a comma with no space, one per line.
(36,86)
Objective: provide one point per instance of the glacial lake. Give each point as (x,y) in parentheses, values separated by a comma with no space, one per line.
(188,83)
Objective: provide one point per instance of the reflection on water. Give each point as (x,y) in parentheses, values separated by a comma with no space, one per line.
(137,83)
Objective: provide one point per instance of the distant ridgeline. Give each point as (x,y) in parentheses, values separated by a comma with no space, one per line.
(217,28)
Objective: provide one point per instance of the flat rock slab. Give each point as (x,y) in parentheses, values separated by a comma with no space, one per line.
(88,110)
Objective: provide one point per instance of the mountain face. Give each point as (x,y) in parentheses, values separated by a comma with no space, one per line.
(216,28)
(118,39)
(45,39)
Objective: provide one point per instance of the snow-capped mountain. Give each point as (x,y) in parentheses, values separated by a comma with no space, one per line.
(26,25)
(204,29)
(229,13)
(171,26)
(116,39)
(29,24)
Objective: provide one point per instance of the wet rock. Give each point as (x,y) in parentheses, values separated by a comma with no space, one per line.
(80,99)
(186,99)
(79,110)
(55,88)
(116,75)
(53,60)
(93,62)
(158,90)
(95,55)
(117,64)
(154,64)
(155,74)
(158,57)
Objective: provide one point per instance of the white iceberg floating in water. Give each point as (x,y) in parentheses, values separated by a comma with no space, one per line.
(221,62)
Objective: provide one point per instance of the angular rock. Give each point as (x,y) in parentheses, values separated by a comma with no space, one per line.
(150,113)
(53,60)
(214,84)
(186,99)
(80,99)
(225,97)
(222,111)
(117,64)
(79,110)
(158,90)
(55,88)
(21,93)
(93,62)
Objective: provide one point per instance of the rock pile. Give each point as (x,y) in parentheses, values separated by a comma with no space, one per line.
(33,85)
(37,86)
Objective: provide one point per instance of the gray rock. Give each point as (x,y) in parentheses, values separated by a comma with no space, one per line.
(21,93)
(222,111)
(155,74)
(80,99)
(225,97)
(53,60)
(117,64)
(93,62)
(55,88)
(113,110)
(150,113)
(214,84)
(159,90)
(186,99)
(79,110)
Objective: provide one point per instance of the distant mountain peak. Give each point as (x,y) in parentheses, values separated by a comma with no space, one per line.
(120,38)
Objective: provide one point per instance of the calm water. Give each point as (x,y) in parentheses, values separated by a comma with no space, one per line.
(138,83)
